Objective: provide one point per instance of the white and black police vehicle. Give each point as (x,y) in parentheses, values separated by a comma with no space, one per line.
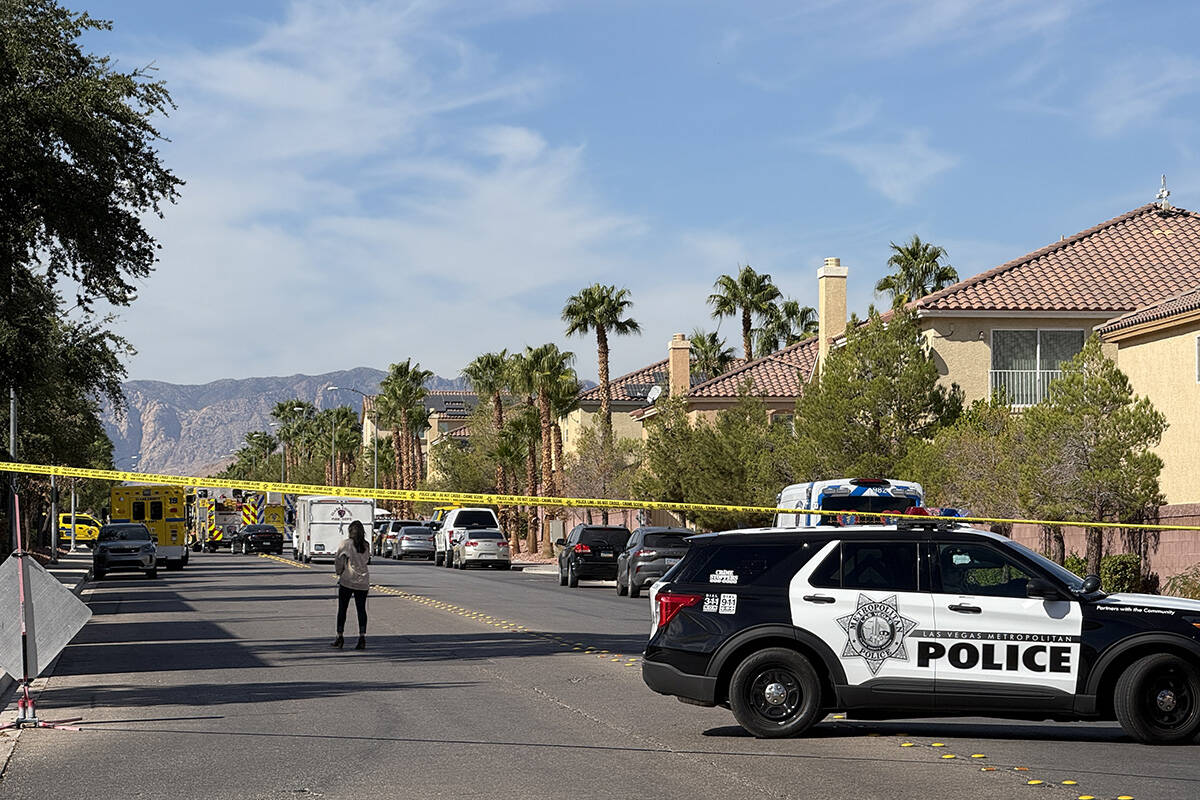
(923,618)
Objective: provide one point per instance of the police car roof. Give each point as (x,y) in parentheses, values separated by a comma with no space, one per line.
(839,531)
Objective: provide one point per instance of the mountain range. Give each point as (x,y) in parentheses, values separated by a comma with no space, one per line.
(192,429)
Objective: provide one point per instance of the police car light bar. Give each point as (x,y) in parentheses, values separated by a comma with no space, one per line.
(920,518)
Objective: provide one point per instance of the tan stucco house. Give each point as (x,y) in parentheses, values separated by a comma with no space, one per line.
(1158,347)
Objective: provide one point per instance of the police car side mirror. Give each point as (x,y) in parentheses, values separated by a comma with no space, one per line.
(1090,584)
(1042,589)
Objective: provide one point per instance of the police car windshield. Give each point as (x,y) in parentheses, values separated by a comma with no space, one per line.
(1073,581)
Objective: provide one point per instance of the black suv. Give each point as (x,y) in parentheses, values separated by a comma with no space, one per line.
(647,556)
(590,551)
(784,626)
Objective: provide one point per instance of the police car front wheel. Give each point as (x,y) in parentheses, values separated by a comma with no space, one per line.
(1157,699)
(775,692)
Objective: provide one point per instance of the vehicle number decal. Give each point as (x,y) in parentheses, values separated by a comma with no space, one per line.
(723,576)
(711,602)
(728,604)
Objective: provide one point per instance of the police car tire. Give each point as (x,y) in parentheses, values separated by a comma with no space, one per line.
(1135,699)
(801,707)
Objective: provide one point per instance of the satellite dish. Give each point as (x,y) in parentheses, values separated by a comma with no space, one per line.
(654,393)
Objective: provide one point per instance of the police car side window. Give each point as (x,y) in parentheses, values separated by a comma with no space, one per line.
(741,564)
(876,566)
(980,570)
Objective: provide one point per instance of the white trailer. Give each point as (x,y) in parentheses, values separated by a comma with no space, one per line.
(323,522)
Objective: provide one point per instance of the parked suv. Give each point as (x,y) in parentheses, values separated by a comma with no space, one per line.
(786,625)
(455,525)
(590,551)
(125,546)
(647,556)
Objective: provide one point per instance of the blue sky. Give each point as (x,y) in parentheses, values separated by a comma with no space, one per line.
(373,181)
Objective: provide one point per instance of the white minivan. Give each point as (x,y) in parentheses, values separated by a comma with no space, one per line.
(456,523)
(323,522)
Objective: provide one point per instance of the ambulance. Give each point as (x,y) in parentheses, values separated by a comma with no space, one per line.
(848,495)
(162,510)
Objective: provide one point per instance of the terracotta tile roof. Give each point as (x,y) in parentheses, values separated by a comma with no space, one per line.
(1180,303)
(1119,265)
(780,374)
(631,386)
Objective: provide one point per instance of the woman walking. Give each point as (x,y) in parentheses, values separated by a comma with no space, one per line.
(353,581)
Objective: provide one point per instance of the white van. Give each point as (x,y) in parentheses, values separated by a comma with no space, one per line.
(454,525)
(848,495)
(322,523)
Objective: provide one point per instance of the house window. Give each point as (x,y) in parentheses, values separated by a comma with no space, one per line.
(1025,362)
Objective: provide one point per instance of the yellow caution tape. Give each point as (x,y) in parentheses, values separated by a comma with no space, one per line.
(477,498)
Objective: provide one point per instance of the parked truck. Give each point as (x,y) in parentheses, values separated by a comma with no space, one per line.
(323,522)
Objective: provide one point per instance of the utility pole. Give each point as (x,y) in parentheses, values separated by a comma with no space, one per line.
(73,545)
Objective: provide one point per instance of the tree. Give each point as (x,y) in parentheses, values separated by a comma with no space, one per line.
(917,271)
(488,375)
(1088,454)
(81,171)
(710,356)
(785,324)
(875,397)
(601,309)
(971,463)
(748,295)
(548,366)
(401,391)
(596,470)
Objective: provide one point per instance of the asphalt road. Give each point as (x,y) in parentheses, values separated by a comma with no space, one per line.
(219,682)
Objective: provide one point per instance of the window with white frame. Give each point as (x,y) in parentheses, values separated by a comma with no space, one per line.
(1025,362)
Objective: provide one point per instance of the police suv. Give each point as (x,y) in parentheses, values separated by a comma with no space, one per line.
(916,619)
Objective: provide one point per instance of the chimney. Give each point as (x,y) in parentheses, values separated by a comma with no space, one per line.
(679,365)
(831,304)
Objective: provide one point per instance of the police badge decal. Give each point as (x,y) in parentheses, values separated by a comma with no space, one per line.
(875,632)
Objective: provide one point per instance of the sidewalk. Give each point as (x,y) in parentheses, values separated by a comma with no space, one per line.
(72,570)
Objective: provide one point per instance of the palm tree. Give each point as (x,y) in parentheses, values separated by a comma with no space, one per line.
(784,324)
(600,308)
(526,430)
(402,391)
(710,356)
(917,271)
(488,375)
(549,366)
(748,294)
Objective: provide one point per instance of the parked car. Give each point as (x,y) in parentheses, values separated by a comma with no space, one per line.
(125,546)
(414,541)
(377,532)
(87,528)
(590,551)
(455,525)
(647,556)
(483,547)
(257,539)
(389,535)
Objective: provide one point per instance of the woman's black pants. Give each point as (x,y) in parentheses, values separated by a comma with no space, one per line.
(360,604)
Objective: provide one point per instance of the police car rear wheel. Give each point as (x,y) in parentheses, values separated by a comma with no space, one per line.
(774,693)
(1157,699)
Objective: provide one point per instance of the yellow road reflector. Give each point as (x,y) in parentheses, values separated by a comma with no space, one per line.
(1021,769)
(1034,782)
(1069,783)
(987,769)
(949,755)
(1086,797)
(1124,797)
(906,744)
(978,755)
(938,744)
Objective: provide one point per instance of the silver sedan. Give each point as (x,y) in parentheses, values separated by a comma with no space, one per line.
(413,542)
(483,547)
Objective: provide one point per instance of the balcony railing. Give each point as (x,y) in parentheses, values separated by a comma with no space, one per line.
(1023,387)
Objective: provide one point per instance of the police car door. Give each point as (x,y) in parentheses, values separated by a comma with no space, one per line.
(995,647)
(864,598)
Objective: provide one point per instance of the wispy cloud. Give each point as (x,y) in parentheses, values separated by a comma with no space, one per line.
(1140,91)
(897,168)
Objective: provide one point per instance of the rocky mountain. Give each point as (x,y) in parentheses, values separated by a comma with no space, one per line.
(192,429)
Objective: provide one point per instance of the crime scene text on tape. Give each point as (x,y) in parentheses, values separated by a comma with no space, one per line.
(478,498)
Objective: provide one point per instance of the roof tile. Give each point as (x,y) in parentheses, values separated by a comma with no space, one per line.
(1188,300)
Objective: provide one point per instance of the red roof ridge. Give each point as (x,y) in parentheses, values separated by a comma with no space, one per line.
(928,299)
(773,356)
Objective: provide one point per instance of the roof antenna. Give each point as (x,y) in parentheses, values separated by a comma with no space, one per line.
(1160,199)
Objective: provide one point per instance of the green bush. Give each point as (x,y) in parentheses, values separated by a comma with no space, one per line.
(1121,573)
(1077,564)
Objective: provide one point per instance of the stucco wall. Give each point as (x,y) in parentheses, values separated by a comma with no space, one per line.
(1162,367)
(962,346)
(624,426)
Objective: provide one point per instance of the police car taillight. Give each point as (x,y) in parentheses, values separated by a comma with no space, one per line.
(670,603)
